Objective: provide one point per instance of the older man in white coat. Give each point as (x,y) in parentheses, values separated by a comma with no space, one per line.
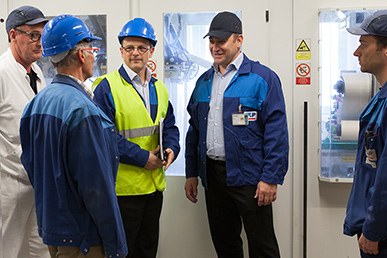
(20,80)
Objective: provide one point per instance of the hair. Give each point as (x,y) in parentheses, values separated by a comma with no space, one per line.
(9,38)
(72,56)
(381,42)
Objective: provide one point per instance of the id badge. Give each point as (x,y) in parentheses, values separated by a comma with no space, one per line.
(240,118)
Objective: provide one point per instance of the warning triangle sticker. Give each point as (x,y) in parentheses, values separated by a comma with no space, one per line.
(303,47)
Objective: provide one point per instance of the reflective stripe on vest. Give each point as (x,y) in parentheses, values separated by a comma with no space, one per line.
(133,121)
(140,132)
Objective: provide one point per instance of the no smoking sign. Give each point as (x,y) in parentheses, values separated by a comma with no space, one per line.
(303,74)
(152,66)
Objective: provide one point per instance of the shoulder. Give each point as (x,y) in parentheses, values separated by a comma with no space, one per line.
(260,71)
(157,82)
(104,80)
(61,97)
(206,75)
(67,103)
(204,79)
(7,61)
(258,68)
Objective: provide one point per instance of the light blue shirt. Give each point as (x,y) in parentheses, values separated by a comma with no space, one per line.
(142,89)
(215,136)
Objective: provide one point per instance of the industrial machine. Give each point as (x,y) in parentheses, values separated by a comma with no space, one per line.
(344,93)
(339,129)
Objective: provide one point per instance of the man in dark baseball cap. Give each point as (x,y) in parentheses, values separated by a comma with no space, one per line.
(24,15)
(241,92)
(367,204)
(20,80)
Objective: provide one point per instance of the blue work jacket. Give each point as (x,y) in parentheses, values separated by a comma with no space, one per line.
(254,152)
(367,204)
(71,157)
(131,153)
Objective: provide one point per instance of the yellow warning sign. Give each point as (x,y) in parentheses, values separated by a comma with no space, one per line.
(303,51)
(303,47)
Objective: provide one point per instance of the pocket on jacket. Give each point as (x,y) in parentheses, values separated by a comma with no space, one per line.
(252,158)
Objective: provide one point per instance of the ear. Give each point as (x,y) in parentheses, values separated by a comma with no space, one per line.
(12,34)
(151,50)
(81,56)
(240,40)
(122,51)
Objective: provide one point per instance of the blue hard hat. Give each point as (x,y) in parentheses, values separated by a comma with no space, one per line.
(138,27)
(62,33)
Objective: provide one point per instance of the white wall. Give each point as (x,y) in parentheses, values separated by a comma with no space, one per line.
(184,228)
(3,33)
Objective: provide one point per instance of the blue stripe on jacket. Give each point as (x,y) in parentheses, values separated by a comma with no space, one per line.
(367,204)
(258,151)
(70,155)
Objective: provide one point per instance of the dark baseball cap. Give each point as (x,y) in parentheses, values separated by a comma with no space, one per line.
(24,15)
(375,24)
(224,24)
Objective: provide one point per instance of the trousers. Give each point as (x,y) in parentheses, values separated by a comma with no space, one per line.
(140,216)
(19,229)
(75,252)
(230,207)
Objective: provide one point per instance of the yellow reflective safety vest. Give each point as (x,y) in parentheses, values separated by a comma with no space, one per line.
(133,121)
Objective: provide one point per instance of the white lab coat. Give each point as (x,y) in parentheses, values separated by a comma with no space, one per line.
(20,237)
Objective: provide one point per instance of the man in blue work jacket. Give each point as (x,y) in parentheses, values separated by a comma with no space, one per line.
(367,204)
(70,152)
(237,143)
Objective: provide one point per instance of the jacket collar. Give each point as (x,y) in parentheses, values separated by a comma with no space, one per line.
(245,68)
(60,78)
(383,92)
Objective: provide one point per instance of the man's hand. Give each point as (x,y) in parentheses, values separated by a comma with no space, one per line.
(191,189)
(154,162)
(170,157)
(368,246)
(266,193)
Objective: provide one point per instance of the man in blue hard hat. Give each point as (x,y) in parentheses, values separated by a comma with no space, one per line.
(367,205)
(70,152)
(138,104)
(20,80)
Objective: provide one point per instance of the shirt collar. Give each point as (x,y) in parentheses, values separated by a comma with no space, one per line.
(132,75)
(84,87)
(234,64)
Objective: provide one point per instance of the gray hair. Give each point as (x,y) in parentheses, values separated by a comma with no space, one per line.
(71,57)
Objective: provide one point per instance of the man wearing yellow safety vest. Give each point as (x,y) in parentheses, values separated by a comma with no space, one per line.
(136,102)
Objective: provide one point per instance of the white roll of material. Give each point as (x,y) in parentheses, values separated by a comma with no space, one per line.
(358,92)
(349,130)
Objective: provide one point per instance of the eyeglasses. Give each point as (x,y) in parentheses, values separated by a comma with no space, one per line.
(141,49)
(34,36)
(93,50)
